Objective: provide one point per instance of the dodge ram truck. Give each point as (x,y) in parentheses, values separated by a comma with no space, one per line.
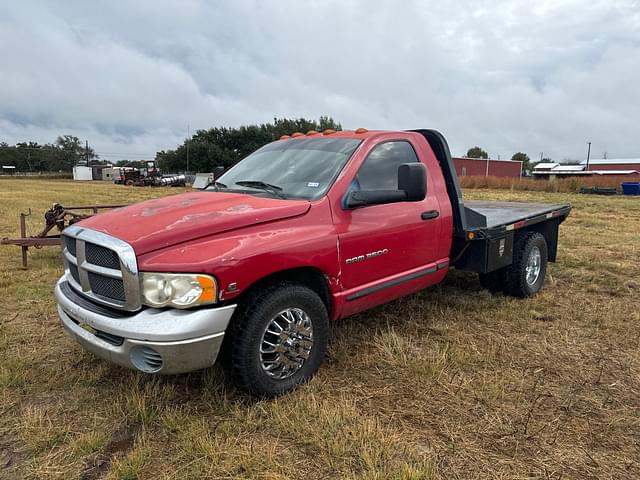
(308,229)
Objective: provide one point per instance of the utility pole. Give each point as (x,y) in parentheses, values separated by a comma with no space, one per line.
(588,155)
(188,141)
(541,154)
(86,150)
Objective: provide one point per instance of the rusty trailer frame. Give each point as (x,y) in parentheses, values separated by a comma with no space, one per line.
(57,217)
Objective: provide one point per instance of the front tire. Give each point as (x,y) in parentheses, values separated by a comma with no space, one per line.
(278,340)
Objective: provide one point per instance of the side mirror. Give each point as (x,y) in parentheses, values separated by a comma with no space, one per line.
(412,178)
(412,187)
(363,198)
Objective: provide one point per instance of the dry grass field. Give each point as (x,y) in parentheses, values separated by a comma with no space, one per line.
(565,185)
(450,383)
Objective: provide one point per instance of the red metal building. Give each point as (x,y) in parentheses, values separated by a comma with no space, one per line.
(467,167)
(620,164)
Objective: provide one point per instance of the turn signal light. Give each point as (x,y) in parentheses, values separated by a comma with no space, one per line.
(362,130)
(297,134)
(312,132)
(328,131)
(209,287)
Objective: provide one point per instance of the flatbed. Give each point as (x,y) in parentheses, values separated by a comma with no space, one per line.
(505,214)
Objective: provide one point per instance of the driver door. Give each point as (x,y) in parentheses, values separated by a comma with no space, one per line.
(384,245)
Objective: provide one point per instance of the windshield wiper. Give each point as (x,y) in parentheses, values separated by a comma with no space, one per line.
(259,185)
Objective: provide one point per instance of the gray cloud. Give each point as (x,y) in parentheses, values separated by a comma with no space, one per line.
(543,76)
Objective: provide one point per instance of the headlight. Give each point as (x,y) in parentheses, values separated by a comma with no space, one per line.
(179,290)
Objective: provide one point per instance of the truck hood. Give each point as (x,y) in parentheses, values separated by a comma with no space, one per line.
(168,221)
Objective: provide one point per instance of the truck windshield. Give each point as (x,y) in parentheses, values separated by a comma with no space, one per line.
(303,168)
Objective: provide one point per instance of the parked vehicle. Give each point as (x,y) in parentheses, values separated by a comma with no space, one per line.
(306,230)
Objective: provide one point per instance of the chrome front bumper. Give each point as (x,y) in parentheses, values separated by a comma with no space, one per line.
(152,340)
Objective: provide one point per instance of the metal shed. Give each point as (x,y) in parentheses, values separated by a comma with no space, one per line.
(466,167)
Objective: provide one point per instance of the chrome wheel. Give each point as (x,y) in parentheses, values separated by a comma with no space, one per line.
(534,265)
(286,343)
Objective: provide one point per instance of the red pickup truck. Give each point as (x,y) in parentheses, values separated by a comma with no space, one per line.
(308,229)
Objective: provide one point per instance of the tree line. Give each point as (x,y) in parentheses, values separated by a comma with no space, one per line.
(202,152)
(205,150)
(61,155)
(224,146)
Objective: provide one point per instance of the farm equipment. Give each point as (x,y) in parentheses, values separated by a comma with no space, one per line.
(598,190)
(57,218)
(148,177)
(171,180)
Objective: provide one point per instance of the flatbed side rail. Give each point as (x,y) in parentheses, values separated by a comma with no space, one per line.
(560,213)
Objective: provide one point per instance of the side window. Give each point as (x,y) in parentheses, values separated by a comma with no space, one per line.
(380,169)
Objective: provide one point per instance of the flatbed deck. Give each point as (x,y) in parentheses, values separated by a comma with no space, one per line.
(499,214)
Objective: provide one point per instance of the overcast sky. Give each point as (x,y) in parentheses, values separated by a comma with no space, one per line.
(544,76)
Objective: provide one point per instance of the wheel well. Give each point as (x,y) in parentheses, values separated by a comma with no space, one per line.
(310,277)
(549,230)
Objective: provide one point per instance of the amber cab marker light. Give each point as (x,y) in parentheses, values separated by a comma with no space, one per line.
(312,132)
(471,235)
(328,131)
(361,130)
(297,134)
(284,137)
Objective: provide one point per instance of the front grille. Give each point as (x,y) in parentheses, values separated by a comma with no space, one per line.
(108,287)
(101,256)
(74,273)
(101,268)
(70,243)
(83,302)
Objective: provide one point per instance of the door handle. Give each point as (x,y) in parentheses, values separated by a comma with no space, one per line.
(430,215)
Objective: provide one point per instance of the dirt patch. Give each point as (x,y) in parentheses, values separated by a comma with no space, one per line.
(98,464)
(11,456)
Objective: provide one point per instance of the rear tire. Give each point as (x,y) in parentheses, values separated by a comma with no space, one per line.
(529,265)
(277,341)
